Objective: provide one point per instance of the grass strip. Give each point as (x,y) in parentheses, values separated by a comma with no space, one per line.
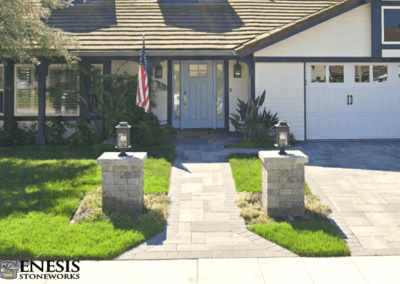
(312,235)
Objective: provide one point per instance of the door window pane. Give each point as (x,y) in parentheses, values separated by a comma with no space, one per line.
(318,74)
(220,98)
(203,70)
(26,101)
(177,91)
(198,70)
(361,74)
(336,74)
(380,73)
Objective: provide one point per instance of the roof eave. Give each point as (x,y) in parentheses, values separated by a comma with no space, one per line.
(113,53)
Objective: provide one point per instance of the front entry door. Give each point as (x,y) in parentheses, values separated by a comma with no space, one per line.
(198,97)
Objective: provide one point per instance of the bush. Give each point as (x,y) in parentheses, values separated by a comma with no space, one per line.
(55,131)
(82,135)
(12,136)
(150,133)
(254,126)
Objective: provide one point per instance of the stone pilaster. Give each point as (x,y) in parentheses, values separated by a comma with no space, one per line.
(123,182)
(283,182)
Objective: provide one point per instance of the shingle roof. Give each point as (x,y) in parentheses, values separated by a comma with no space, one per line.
(240,25)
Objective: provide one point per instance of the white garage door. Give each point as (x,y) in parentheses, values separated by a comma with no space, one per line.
(350,101)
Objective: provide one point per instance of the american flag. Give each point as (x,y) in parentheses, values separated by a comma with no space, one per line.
(142,97)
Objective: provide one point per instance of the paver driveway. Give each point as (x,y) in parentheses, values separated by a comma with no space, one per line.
(360,180)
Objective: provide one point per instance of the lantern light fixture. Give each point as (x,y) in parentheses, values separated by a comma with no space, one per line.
(158,70)
(282,136)
(237,70)
(123,137)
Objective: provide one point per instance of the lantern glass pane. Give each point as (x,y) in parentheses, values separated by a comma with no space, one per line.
(122,140)
(283,139)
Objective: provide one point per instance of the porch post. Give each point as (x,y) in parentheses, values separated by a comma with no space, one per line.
(8,92)
(42,71)
(253,80)
(226,93)
(170,93)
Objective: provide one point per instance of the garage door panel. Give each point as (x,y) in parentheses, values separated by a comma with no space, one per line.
(373,113)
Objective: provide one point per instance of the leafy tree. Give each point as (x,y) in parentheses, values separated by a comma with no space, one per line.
(24,35)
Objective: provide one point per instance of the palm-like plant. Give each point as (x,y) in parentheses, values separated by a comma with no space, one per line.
(253,124)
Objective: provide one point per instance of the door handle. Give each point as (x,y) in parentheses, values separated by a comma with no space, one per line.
(348,99)
(351,97)
(184,98)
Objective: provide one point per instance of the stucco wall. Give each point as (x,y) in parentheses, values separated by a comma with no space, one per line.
(348,34)
(284,86)
(239,88)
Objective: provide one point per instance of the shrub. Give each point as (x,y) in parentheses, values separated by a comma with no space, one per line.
(150,133)
(254,126)
(82,135)
(55,131)
(11,135)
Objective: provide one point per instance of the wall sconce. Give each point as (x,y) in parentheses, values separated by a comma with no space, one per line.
(237,70)
(158,70)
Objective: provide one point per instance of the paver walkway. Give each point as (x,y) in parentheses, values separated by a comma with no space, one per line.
(360,180)
(204,221)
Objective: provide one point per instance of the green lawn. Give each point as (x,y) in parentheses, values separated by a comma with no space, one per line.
(312,235)
(40,190)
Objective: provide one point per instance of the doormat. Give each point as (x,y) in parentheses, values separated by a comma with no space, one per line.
(195,133)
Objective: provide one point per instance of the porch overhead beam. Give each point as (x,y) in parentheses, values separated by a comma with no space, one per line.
(109,53)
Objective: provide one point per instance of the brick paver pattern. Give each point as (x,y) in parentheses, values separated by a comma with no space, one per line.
(203,220)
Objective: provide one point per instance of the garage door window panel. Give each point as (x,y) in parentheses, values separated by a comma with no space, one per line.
(318,73)
(380,73)
(361,73)
(336,74)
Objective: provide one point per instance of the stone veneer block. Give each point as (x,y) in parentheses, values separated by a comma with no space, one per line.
(283,182)
(123,181)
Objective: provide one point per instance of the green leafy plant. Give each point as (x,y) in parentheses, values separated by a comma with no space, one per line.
(11,135)
(55,131)
(109,99)
(82,135)
(150,133)
(253,124)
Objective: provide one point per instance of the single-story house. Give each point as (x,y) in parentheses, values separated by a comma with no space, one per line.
(331,68)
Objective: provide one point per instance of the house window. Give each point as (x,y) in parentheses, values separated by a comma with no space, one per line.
(361,74)
(220,97)
(1,89)
(198,70)
(62,91)
(390,25)
(380,73)
(318,73)
(177,90)
(26,90)
(336,74)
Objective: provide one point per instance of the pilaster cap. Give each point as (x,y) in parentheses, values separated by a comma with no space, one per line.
(293,156)
(132,159)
